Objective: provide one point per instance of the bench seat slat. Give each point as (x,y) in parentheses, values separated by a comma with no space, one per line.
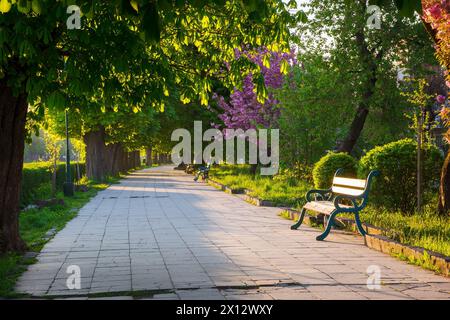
(354,183)
(325,207)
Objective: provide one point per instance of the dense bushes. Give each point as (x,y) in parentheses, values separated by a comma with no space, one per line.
(326,167)
(397,162)
(37,176)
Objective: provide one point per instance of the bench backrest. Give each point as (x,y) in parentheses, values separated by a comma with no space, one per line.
(347,186)
(352,187)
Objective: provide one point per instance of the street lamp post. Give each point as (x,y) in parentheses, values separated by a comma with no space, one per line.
(68,185)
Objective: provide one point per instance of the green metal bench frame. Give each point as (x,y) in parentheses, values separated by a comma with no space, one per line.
(328,197)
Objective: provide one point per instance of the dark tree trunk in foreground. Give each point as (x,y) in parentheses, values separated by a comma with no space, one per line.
(13,111)
(95,154)
(148,156)
(444,191)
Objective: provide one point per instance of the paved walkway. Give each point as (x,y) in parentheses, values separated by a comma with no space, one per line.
(160,233)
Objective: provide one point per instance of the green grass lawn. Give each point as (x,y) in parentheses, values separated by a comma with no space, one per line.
(424,230)
(34,224)
(290,192)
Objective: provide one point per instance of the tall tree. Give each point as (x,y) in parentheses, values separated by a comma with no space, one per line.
(365,58)
(436,18)
(42,63)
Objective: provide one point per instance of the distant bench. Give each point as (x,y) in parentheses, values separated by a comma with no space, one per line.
(203,172)
(354,192)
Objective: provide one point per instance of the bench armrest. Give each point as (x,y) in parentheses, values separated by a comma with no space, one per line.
(322,193)
(353,199)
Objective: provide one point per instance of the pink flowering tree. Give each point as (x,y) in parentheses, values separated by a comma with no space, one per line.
(254,105)
(436,16)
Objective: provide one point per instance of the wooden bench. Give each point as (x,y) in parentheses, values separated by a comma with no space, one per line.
(204,172)
(345,195)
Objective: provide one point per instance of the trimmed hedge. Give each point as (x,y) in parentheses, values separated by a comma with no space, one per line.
(396,188)
(326,167)
(37,177)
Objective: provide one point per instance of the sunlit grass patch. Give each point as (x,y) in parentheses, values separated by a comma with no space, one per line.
(264,187)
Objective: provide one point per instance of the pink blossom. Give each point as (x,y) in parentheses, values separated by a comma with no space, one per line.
(435,11)
(440,99)
(243,110)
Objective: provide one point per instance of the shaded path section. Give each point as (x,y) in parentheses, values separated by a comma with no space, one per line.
(160,232)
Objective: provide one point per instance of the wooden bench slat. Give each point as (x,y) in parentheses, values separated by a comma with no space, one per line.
(347,191)
(355,183)
(325,207)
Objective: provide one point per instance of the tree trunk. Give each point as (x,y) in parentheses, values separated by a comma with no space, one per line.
(356,128)
(444,191)
(370,62)
(148,156)
(13,112)
(137,159)
(130,160)
(95,154)
(113,155)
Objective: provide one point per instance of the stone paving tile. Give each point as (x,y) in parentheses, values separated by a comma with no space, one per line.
(202,243)
(200,294)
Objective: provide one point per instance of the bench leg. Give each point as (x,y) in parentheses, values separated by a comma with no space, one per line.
(359,225)
(300,220)
(328,227)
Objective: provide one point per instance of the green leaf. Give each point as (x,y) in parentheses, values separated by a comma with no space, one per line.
(36,6)
(5,6)
(24,6)
(56,100)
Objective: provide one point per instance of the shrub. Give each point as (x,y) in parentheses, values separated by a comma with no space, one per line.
(396,188)
(292,176)
(326,167)
(36,178)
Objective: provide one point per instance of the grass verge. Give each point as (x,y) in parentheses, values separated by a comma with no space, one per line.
(34,225)
(279,191)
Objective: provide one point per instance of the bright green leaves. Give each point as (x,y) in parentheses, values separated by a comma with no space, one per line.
(260,88)
(23,6)
(266,61)
(284,67)
(151,23)
(205,22)
(5,6)
(36,6)
(134,4)
(56,100)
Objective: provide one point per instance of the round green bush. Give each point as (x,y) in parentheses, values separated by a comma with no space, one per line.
(326,167)
(396,187)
